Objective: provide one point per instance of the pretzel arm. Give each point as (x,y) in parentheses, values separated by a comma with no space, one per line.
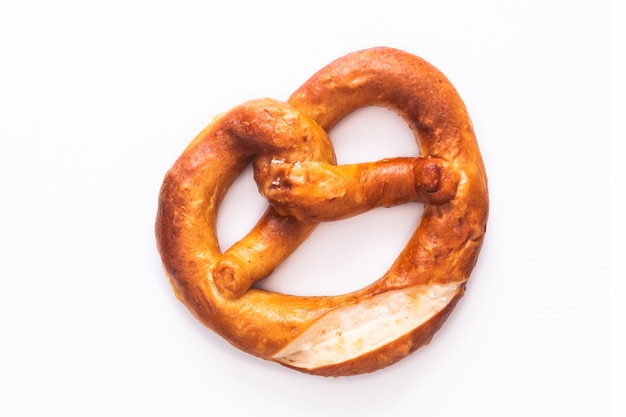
(318,191)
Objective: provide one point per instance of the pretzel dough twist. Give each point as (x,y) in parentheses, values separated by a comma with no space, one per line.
(295,169)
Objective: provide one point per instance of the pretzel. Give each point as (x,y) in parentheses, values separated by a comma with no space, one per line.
(295,169)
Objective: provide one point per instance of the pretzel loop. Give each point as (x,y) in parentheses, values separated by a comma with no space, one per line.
(295,169)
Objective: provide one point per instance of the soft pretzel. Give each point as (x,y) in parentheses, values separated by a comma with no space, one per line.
(295,169)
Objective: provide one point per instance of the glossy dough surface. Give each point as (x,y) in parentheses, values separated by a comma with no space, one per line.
(295,169)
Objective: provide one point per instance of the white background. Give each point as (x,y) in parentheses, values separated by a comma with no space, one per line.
(98,99)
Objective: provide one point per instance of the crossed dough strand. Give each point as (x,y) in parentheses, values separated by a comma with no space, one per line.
(372,327)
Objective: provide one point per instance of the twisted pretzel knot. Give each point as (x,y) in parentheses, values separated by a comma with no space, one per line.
(295,169)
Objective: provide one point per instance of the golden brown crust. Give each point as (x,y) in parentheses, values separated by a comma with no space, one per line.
(287,144)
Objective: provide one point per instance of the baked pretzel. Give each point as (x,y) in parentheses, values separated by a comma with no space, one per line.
(295,169)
